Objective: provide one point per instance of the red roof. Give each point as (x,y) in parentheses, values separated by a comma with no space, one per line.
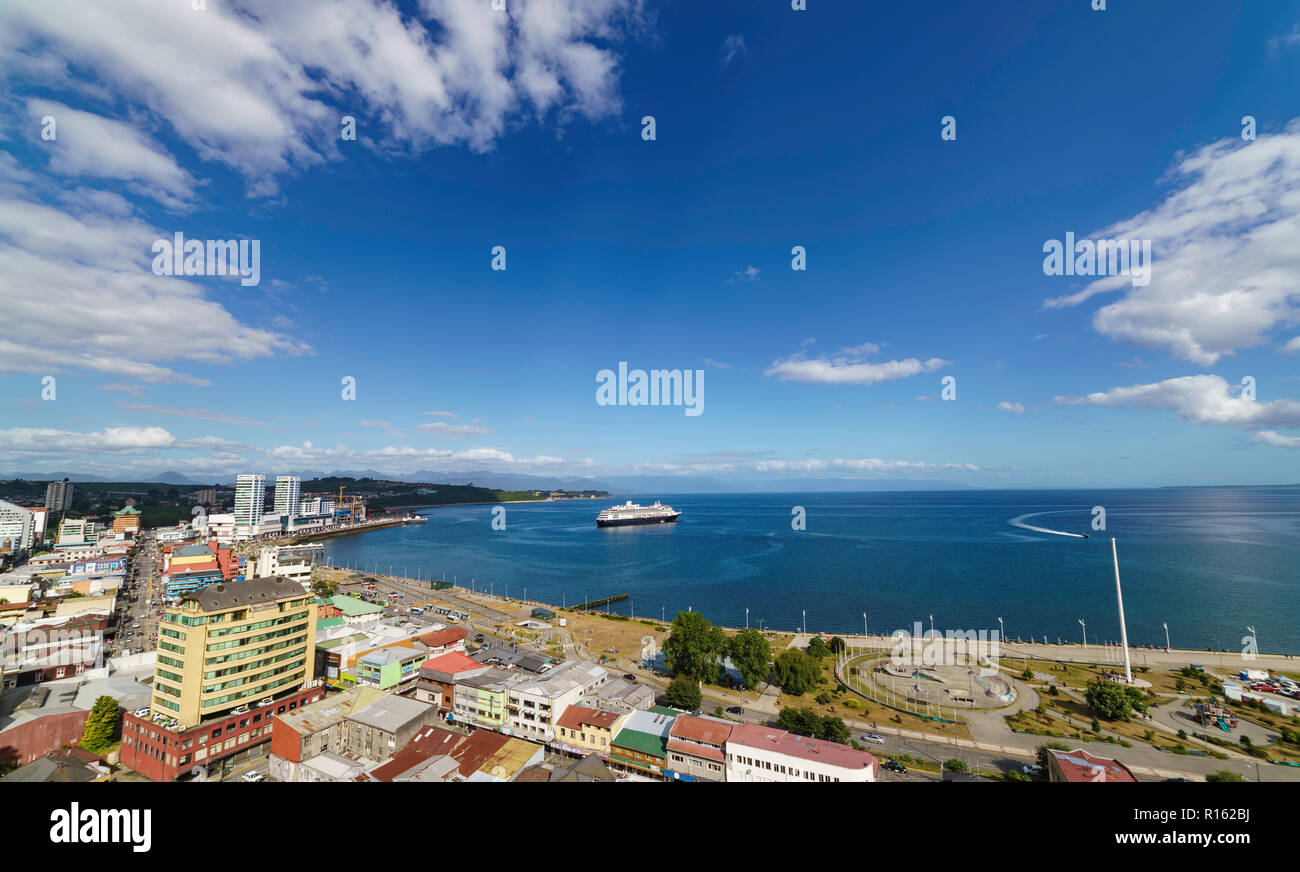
(700,729)
(681,746)
(476,750)
(1079,765)
(429,742)
(781,742)
(451,663)
(444,637)
(575,717)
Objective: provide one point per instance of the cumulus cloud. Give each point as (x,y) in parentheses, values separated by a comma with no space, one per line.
(1017,408)
(1200,399)
(1226,267)
(850,366)
(858,465)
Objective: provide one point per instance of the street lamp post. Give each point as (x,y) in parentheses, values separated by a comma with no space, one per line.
(746,619)
(1166,638)
(1085,633)
(1123,631)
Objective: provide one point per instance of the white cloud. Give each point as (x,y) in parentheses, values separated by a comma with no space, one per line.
(858,465)
(261,87)
(732,46)
(196,414)
(91,145)
(42,441)
(1277,440)
(452,415)
(748,274)
(1017,408)
(1200,399)
(1226,266)
(456,431)
(100,307)
(850,366)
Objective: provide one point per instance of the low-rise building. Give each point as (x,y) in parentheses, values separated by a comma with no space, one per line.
(312,730)
(697,748)
(394,669)
(760,753)
(582,731)
(642,744)
(436,683)
(1079,765)
(535,703)
(481,699)
(383,728)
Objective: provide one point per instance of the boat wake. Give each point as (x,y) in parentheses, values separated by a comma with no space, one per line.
(1018,521)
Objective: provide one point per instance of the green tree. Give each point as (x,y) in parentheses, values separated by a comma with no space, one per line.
(833,729)
(796,672)
(103,724)
(1096,725)
(694,647)
(1041,752)
(801,721)
(1224,775)
(817,648)
(683,693)
(751,655)
(838,646)
(1109,699)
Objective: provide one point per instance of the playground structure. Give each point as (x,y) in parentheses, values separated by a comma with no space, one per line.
(1211,713)
(942,687)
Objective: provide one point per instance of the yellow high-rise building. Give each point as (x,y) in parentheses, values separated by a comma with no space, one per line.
(233,645)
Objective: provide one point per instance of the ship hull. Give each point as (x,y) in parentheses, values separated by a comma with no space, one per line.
(634,522)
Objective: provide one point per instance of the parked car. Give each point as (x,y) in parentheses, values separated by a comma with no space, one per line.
(894,766)
(735,710)
(874,739)
(1032,769)
(252,776)
(629,676)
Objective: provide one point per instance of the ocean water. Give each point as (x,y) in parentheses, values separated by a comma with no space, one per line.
(1210,562)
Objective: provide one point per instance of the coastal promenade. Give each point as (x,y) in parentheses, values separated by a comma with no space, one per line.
(1155,658)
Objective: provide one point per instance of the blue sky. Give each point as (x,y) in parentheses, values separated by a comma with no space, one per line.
(775,128)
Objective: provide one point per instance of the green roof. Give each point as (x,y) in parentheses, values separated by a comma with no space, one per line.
(127,510)
(351,607)
(326,623)
(646,743)
(342,640)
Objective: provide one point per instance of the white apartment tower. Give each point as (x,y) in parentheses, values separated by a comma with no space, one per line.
(288,494)
(250,500)
(58,496)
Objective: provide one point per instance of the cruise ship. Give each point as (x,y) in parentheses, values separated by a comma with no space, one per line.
(628,513)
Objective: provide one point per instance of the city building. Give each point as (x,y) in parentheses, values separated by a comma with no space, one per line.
(64,766)
(356,611)
(17,529)
(760,753)
(535,703)
(394,668)
(58,496)
(205,497)
(444,640)
(642,744)
(160,749)
(126,521)
(288,494)
(383,728)
(313,730)
(75,532)
(582,731)
(187,568)
(294,562)
(436,683)
(1079,765)
(40,519)
(480,699)
(697,748)
(250,500)
(229,645)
